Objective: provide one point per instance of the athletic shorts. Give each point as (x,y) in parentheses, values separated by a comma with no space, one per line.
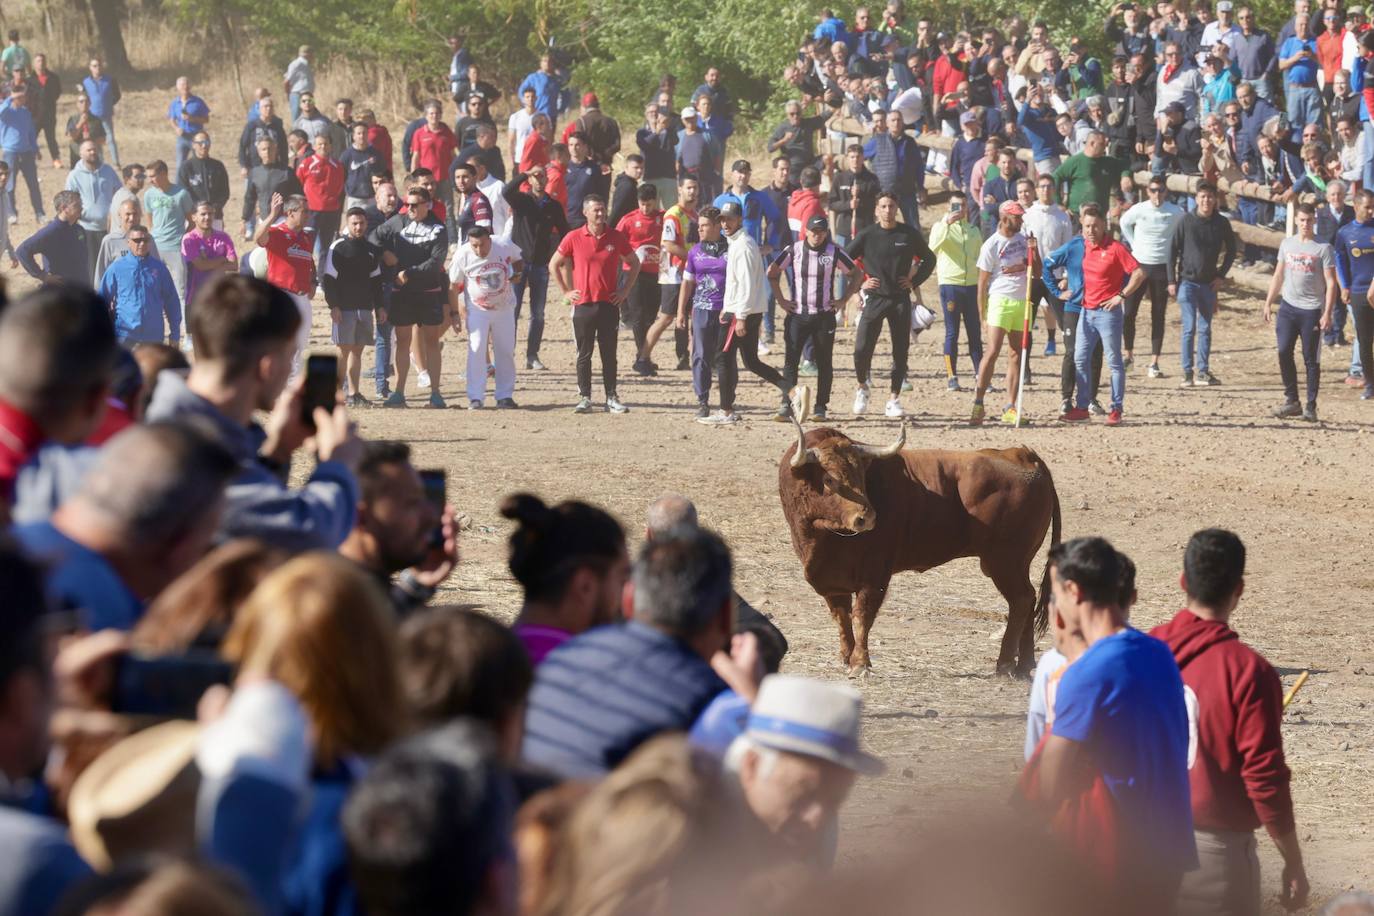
(1008,314)
(353,329)
(418,308)
(667,298)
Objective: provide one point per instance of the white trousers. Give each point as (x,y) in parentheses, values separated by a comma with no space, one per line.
(302,333)
(498,327)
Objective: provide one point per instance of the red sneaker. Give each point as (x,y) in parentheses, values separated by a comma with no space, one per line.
(1114,418)
(1075,415)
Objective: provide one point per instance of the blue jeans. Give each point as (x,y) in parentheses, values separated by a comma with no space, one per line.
(910,213)
(294,100)
(537,280)
(1196,302)
(960,303)
(183,148)
(1255,213)
(107,122)
(28,165)
(1094,326)
(1291,325)
(1304,105)
(383,345)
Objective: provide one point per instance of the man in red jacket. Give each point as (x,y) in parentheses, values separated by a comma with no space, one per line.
(322,179)
(805,202)
(1237,773)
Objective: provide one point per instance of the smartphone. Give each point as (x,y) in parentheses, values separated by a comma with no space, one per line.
(321,386)
(435,483)
(170,686)
(956,206)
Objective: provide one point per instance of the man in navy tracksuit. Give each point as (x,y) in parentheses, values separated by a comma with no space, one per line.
(1355,271)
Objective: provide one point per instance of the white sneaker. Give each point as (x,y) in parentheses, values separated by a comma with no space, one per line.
(613,405)
(422,379)
(860,401)
(764,349)
(894,408)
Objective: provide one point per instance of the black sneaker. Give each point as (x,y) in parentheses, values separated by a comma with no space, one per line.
(1287,410)
(684,363)
(703,411)
(506,403)
(535,365)
(1309,413)
(819,414)
(644,367)
(1207,380)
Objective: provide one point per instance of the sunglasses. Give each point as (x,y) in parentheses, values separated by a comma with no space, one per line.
(139,241)
(1156,190)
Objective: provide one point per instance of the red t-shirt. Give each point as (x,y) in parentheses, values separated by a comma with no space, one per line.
(20,437)
(322,179)
(290,261)
(556,182)
(645,234)
(596,261)
(1105,269)
(379,138)
(434,150)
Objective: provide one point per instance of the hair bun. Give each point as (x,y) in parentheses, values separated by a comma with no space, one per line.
(527,509)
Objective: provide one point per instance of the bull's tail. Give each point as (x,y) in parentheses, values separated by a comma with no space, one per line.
(1042,604)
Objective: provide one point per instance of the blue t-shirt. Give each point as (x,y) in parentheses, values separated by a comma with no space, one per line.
(79,579)
(1123,700)
(1303,72)
(706,266)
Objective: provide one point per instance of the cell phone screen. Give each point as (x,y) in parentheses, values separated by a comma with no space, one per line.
(321,386)
(435,482)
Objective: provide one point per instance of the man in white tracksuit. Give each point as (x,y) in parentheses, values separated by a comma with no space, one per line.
(483,275)
(746,299)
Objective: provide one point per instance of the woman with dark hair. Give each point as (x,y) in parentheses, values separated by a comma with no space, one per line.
(572,563)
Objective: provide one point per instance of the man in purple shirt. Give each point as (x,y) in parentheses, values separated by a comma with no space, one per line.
(206,251)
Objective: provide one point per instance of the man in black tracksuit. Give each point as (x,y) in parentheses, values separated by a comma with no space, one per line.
(204,178)
(538,224)
(352,282)
(896,260)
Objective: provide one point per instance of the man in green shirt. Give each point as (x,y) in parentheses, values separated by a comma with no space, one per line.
(168,207)
(1092,175)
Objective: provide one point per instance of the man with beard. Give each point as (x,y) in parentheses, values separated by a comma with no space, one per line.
(399,530)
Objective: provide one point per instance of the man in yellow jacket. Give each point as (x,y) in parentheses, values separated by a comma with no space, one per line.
(956,242)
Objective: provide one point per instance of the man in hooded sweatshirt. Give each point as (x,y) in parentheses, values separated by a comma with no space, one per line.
(1236,769)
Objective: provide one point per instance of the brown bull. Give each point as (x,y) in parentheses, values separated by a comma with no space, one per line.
(859,513)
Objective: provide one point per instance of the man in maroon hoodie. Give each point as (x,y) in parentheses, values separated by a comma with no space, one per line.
(1237,773)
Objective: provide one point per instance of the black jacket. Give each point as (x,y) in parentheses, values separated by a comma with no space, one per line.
(624,197)
(538,223)
(352,275)
(263,181)
(205,179)
(1197,242)
(660,152)
(43,98)
(420,249)
(848,220)
(256,130)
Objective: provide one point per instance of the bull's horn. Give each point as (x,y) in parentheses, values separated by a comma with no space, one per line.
(803,454)
(872,451)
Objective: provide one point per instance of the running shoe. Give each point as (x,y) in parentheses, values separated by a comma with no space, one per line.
(703,412)
(1309,413)
(807,369)
(953,384)
(1096,409)
(683,363)
(474,404)
(436,401)
(534,364)
(1075,415)
(584,405)
(906,385)
(1009,416)
(1287,410)
(893,408)
(1187,380)
(860,402)
(506,403)
(422,379)
(395,399)
(1051,348)
(1155,371)
(819,415)
(975,418)
(1114,418)
(613,405)
(764,349)
(1354,381)
(357,401)
(1207,380)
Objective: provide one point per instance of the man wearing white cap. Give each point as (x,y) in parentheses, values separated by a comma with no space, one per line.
(797,760)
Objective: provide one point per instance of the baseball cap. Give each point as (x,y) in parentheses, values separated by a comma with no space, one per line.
(817,223)
(689,112)
(741,165)
(479,231)
(1355,11)
(1011,208)
(968,117)
(590,100)
(731,208)
(1224,6)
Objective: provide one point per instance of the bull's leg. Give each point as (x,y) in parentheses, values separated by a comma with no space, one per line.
(867,602)
(841,607)
(1012,581)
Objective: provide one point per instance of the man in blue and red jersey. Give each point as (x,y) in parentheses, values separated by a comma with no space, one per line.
(1110,274)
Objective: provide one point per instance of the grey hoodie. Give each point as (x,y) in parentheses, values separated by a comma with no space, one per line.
(259,503)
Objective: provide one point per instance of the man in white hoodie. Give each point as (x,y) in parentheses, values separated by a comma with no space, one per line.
(746,299)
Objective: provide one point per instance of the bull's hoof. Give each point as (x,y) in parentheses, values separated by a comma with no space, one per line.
(1015,672)
(860,671)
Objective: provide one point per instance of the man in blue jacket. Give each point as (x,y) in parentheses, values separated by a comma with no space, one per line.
(547,86)
(1063,271)
(245,333)
(1355,271)
(19,143)
(104,94)
(61,243)
(140,291)
(756,206)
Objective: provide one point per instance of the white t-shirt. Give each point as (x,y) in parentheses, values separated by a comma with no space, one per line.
(911,106)
(500,210)
(1005,259)
(520,125)
(486,280)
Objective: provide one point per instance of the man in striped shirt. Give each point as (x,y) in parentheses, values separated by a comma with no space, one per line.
(811,264)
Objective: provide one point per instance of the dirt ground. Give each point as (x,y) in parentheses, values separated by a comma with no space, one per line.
(951,731)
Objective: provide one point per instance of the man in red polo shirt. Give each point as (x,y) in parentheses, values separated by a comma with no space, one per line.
(586,267)
(1110,274)
(1236,765)
(322,179)
(290,262)
(433,147)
